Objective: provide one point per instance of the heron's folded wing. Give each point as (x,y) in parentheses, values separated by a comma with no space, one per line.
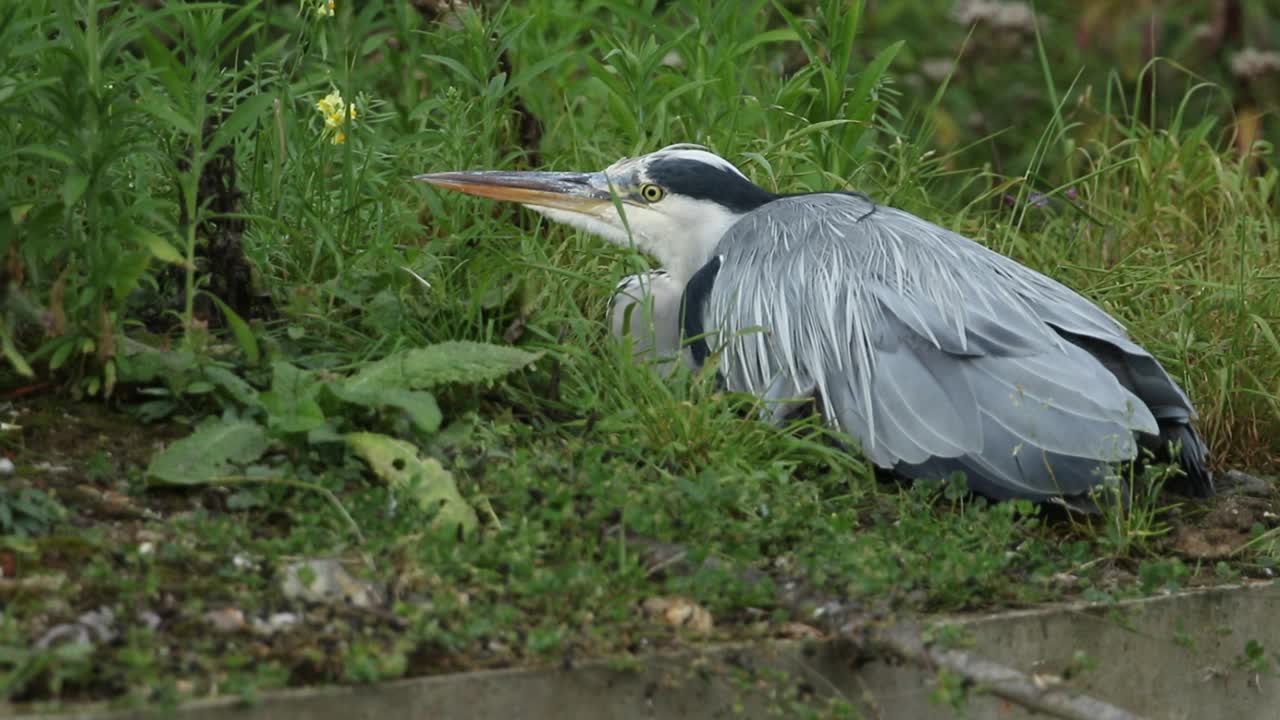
(1087,326)
(917,344)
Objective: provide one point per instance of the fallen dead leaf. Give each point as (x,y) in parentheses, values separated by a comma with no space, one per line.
(679,612)
(226,620)
(1064,579)
(799,631)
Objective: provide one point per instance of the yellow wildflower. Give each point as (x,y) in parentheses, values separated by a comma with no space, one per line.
(332,107)
(322,8)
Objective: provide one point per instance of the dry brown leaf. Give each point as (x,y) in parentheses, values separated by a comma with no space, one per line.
(226,620)
(800,631)
(679,612)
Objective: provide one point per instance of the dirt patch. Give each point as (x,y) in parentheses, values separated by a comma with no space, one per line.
(1246,510)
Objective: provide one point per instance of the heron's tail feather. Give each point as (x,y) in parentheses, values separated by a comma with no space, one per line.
(1193,456)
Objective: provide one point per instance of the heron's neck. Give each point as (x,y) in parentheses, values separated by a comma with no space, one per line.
(682,268)
(691,243)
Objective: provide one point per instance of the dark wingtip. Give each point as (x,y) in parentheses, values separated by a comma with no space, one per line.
(1193,456)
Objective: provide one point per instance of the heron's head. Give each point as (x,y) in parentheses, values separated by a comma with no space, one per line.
(675,203)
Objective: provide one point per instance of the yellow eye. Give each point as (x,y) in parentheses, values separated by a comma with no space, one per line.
(652,193)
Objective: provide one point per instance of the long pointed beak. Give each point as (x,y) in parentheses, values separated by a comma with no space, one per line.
(578,192)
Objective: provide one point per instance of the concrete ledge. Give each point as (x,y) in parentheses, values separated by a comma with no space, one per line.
(1168,657)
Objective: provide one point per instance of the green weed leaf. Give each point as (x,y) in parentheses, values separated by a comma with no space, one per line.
(432,486)
(232,384)
(11,353)
(291,403)
(239,328)
(74,188)
(209,453)
(441,364)
(160,248)
(421,407)
(146,365)
(163,110)
(242,117)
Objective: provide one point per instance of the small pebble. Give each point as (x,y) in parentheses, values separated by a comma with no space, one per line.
(95,627)
(327,581)
(1234,482)
(149,619)
(276,623)
(225,620)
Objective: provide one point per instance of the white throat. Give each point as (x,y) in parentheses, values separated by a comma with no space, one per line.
(680,232)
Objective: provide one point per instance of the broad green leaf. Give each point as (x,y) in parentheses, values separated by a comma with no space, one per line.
(141,364)
(126,271)
(232,384)
(209,453)
(74,188)
(420,406)
(61,353)
(397,462)
(440,364)
(239,328)
(160,248)
(11,353)
(291,403)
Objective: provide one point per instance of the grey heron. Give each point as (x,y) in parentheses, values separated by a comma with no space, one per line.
(934,352)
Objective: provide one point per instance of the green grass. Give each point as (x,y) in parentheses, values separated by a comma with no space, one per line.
(140,143)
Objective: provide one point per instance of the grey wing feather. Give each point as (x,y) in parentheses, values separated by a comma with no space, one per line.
(1087,326)
(935,353)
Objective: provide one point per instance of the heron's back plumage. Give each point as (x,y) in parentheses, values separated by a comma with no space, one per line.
(937,354)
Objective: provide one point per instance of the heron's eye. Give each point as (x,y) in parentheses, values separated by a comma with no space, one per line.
(652,193)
